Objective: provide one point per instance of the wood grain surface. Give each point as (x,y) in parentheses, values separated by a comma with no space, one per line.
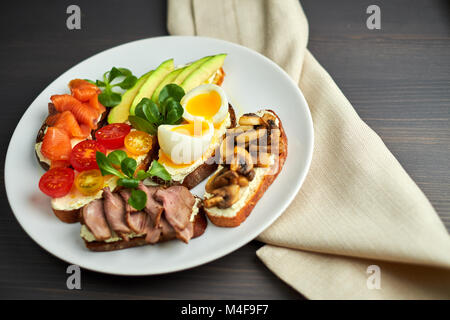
(397,78)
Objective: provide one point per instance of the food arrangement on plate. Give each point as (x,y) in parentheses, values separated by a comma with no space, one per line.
(122,153)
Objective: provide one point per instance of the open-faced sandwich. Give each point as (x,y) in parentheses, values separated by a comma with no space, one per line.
(112,224)
(252,156)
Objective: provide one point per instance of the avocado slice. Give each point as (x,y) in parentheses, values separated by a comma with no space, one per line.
(168,79)
(189,69)
(203,72)
(147,89)
(120,113)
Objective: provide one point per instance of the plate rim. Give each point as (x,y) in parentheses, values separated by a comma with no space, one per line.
(212,257)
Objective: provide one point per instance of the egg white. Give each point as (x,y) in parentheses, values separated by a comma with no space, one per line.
(183,148)
(206,88)
(178,174)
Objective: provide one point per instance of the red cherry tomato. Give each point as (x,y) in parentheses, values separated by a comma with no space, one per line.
(57,182)
(83,155)
(112,135)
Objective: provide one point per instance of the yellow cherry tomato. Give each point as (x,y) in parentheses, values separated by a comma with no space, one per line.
(138,142)
(89,182)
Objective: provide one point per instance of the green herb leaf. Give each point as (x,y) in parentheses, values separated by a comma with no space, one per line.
(114,73)
(128,82)
(125,72)
(105,166)
(174,112)
(117,156)
(128,166)
(128,183)
(171,90)
(159,171)
(100,83)
(148,110)
(138,199)
(142,124)
(109,98)
(141,175)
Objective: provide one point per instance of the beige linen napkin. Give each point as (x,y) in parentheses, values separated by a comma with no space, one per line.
(357,207)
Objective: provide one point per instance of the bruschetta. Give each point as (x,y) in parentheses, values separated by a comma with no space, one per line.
(252,155)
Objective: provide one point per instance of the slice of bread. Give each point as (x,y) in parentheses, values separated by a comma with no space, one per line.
(200,223)
(73,216)
(234,216)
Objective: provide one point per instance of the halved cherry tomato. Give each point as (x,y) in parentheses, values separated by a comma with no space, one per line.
(138,142)
(82,157)
(89,182)
(57,182)
(112,135)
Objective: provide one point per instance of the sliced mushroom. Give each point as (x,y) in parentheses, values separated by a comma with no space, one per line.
(250,175)
(250,119)
(242,161)
(223,197)
(270,120)
(261,159)
(242,181)
(238,130)
(249,136)
(225,178)
(212,202)
(210,185)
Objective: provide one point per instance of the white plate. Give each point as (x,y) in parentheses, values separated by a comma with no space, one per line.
(252,82)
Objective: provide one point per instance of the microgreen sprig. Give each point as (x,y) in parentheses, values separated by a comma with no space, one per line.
(108,97)
(127,177)
(148,115)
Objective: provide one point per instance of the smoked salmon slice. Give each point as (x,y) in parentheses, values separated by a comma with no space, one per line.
(83,90)
(56,144)
(51,119)
(94,103)
(66,121)
(83,112)
(59,164)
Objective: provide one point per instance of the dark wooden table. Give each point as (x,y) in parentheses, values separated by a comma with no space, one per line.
(397,78)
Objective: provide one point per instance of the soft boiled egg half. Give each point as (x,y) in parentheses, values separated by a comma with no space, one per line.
(185,143)
(207,102)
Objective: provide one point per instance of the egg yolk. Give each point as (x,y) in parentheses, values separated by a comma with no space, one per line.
(204,105)
(165,159)
(192,129)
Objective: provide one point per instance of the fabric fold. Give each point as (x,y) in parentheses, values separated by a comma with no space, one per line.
(358,206)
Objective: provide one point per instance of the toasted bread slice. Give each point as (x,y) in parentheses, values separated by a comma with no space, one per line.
(200,223)
(234,216)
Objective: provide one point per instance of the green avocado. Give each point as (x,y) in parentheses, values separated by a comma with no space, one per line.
(189,69)
(147,89)
(119,113)
(168,79)
(203,72)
